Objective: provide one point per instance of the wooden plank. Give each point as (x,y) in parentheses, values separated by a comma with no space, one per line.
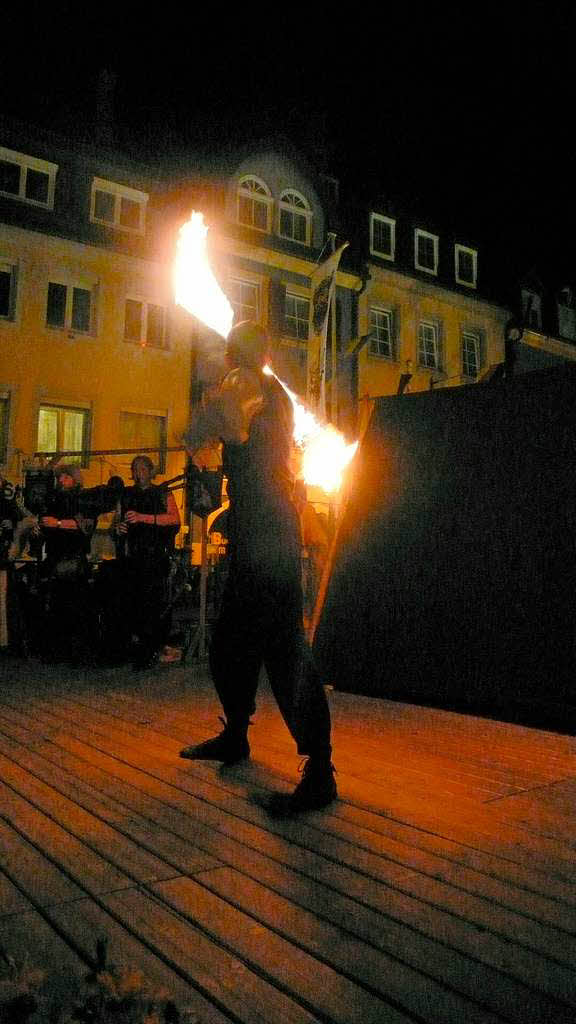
(480,944)
(26,866)
(84,922)
(387,975)
(12,901)
(137,863)
(219,974)
(76,860)
(318,986)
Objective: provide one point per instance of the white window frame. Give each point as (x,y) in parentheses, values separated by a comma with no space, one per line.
(433,326)
(61,406)
(468,334)
(142,341)
(260,193)
(298,319)
(11,268)
(376,218)
(31,163)
(71,282)
(458,249)
(375,341)
(248,283)
(297,205)
(118,193)
(418,234)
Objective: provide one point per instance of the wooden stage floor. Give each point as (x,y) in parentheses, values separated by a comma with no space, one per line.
(439,888)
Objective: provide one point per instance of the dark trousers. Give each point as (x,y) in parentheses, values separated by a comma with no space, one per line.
(260,624)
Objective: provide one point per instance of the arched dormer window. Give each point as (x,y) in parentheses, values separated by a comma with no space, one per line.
(294,217)
(254,203)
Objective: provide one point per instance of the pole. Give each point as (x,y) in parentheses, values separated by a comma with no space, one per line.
(203,590)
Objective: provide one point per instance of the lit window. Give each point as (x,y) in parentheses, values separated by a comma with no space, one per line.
(382,333)
(118,206)
(425,251)
(466,264)
(63,429)
(428,345)
(294,217)
(145,430)
(296,316)
(70,307)
(244,296)
(254,204)
(7,291)
(27,179)
(4,420)
(471,353)
(382,236)
(145,324)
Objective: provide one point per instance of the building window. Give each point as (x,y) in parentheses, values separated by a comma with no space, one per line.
(471,353)
(145,430)
(118,206)
(382,236)
(7,291)
(69,307)
(294,217)
(244,298)
(296,316)
(465,265)
(145,324)
(64,429)
(429,345)
(532,309)
(254,204)
(425,251)
(26,178)
(382,333)
(4,421)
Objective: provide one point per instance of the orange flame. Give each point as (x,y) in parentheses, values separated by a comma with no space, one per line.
(195,286)
(325,453)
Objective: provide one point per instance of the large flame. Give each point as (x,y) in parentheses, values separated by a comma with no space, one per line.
(325,453)
(195,287)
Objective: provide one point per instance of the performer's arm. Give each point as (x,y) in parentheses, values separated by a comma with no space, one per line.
(226,414)
(171,517)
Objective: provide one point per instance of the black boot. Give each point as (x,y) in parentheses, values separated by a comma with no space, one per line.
(316,789)
(230,746)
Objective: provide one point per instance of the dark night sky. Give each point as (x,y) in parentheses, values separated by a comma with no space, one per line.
(471,115)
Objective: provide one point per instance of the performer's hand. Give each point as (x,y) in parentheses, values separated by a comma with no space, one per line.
(121,528)
(6,524)
(133,517)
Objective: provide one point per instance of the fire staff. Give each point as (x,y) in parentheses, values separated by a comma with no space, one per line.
(261,619)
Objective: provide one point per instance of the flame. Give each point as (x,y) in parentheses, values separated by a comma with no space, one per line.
(195,287)
(325,454)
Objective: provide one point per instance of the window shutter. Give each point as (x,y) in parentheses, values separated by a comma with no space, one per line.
(276,307)
(440,336)
(396,333)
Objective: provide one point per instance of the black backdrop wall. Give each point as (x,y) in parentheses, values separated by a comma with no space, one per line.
(455,569)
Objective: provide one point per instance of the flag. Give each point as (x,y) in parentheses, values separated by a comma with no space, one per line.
(323,287)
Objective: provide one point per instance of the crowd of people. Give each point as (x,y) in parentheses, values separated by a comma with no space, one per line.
(59,609)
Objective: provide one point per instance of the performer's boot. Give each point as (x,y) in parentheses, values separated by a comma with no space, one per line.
(316,789)
(229,747)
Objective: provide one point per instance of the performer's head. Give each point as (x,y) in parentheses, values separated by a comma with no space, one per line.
(142,469)
(247,345)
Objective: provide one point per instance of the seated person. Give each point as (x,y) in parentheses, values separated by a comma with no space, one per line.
(146,531)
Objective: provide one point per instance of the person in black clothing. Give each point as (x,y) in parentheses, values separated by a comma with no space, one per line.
(149,522)
(261,615)
(66,533)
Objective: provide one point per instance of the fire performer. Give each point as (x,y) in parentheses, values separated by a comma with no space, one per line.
(261,616)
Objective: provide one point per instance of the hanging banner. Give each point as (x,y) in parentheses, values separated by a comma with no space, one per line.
(323,287)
